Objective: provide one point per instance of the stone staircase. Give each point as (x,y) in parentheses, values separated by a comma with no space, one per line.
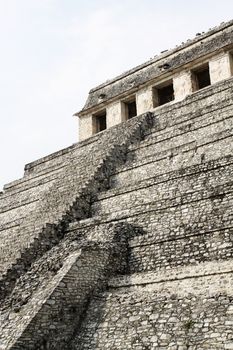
(47,244)
(128,244)
(176,185)
(49,301)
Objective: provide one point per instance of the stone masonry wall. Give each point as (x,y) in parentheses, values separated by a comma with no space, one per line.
(125,240)
(43,228)
(44,315)
(152,318)
(176,185)
(47,246)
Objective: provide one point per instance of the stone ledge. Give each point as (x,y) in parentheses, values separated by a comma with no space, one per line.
(164,203)
(155,137)
(133,243)
(152,159)
(26,180)
(9,208)
(179,274)
(166,177)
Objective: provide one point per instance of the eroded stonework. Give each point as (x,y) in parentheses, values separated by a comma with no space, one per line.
(125,240)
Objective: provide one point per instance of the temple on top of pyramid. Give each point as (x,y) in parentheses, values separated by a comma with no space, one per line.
(124,240)
(167,78)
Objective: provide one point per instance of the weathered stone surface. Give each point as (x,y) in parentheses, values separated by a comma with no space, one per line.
(125,240)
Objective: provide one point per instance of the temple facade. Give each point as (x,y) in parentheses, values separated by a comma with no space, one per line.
(167,78)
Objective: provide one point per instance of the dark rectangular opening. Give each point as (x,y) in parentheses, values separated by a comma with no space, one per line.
(165,94)
(202,77)
(131,109)
(100,123)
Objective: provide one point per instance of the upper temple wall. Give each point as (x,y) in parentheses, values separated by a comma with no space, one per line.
(167,78)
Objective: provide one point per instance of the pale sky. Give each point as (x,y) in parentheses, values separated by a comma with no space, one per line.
(54,51)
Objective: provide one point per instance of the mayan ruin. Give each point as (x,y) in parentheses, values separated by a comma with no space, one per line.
(124,240)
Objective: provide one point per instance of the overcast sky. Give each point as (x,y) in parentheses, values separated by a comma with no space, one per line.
(54,51)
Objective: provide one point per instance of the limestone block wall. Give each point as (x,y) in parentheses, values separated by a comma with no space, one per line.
(209,246)
(220,67)
(115,114)
(207,119)
(176,210)
(183,86)
(59,306)
(144,100)
(49,300)
(176,185)
(165,280)
(183,314)
(67,199)
(85,127)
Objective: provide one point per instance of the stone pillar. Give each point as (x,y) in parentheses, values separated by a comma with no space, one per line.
(182,84)
(220,67)
(115,114)
(85,127)
(144,100)
(231,63)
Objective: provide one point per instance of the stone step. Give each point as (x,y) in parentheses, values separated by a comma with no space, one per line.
(134,205)
(183,142)
(183,251)
(156,225)
(204,170)
(181,273)
(172,192)
(173,160)
(184,112)
(167,126)
(28,183)
(17,213)
(50,167)
(162,311)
